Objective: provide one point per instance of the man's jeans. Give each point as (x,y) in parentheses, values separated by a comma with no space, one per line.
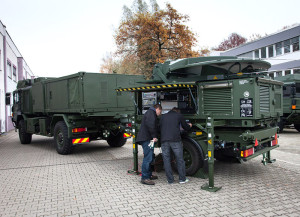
(177,149)
(148,158)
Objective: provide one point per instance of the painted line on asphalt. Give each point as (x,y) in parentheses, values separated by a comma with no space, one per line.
(288,162)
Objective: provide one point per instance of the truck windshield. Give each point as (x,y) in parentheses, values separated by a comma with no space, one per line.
(297,89)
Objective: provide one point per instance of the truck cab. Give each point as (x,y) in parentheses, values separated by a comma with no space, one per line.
(291,101)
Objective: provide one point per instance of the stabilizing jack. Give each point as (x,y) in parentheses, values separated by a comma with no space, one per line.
(210,153)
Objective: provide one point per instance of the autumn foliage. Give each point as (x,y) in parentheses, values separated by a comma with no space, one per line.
(232,41)
(153,36)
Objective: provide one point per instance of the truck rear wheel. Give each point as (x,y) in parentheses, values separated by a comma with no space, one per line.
(191,156)
(297,127)
(25,138)
(63,143)
(116,140)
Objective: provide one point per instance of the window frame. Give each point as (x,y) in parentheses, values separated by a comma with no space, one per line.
(14,73)
(9,69)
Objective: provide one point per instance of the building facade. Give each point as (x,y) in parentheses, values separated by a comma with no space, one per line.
(13,68)
(281,49)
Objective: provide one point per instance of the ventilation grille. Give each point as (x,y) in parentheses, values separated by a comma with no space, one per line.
(264,99)
(218,101)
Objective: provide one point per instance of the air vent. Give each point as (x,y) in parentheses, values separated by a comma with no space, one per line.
(218,101)
(264,99)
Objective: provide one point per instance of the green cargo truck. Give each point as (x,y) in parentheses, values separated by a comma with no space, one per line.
(291,101)
(75,109)
(233,107)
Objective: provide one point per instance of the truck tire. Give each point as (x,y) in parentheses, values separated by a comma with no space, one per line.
(25,138)
(297,127)
(280,124)
(63,143)
(116,140)
(191,156)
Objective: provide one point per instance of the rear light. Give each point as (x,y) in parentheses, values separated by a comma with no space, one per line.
(293,107)
(247,152)
(129,125)
(256,143)
(79,130)
(275,141)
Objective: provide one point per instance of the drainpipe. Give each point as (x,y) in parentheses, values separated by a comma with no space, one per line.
(5,77)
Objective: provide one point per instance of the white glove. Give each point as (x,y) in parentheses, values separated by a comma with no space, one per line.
(151,144)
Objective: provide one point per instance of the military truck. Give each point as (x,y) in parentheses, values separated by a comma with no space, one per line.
(291,101)
(233,106)
(75,109)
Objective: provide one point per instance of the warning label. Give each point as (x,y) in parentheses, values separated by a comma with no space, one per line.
(246,107)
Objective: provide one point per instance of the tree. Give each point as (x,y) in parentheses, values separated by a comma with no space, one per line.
(232,41)
(127,65)
(154,35)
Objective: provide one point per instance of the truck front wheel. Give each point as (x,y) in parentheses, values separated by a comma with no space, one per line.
(63,143)
(25,138)
(191,156)
(116,140)
(297,127)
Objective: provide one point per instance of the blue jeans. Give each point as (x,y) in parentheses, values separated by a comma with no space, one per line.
(148,158)
(177,149)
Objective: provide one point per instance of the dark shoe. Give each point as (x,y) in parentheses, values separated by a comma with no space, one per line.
(185,181)
(147,182)
(153,177)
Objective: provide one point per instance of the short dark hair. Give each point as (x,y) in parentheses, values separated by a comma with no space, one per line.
(175,109)
(157,106)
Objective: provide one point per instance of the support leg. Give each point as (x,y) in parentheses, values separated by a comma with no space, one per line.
(210,152)
(267,158)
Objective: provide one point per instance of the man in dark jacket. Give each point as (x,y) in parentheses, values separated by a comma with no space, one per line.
(170,125)
(148,131)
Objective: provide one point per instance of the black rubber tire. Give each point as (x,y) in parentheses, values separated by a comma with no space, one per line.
(25,138)
(280,124)
(116,140)
(158,163)
(192,158)
(297,127)
(62,142)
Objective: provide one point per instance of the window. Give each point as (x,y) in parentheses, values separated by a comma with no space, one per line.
(287,89)
(296,71)
(9,71)
(295,43)
(14,73)
(271,51)
(287,72)
(7,99)
(263,52)
(279,74)
(287,48)
(278,47)
(256,53)
(24,74)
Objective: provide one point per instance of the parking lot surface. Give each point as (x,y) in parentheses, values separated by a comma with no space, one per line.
(93,181)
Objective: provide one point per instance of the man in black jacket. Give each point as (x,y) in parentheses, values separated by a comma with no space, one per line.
(170,125)
(148,131)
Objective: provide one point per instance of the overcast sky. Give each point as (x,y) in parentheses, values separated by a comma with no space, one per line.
(61,37)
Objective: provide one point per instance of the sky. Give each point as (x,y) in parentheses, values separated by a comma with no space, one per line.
(62,37)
